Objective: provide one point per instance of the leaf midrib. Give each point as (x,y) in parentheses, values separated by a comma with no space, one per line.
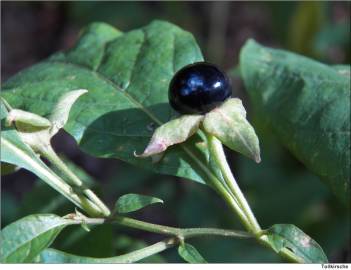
(140,106)
(113,85)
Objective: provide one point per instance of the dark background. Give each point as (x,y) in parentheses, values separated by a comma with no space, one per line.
(279,189)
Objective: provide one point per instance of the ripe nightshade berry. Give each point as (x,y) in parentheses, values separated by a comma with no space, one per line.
(198,88)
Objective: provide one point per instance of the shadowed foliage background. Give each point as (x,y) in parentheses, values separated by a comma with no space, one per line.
(280,189)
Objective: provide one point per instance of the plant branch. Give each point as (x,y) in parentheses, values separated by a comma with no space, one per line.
(179,234)
(148,251)
(51,155)
(131,257)
(221,189)
(182,233)
(216,150)
(53,180)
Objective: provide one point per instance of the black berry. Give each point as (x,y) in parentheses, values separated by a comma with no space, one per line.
(198,88)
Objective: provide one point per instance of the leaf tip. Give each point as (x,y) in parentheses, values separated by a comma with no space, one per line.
(152,149)
(136,155)
(258,158)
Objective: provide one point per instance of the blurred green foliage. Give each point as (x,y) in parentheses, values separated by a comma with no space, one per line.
(280,189)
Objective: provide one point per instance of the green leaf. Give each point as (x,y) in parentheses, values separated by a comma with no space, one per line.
(190,254)
(127,77)
(133,202)
(55,256)
(291,237)
(24,239)
(173,132)
(307,104)
(228,123)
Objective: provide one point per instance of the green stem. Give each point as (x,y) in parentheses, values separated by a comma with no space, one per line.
(165,230)
(131,257)
(145,252)
(51,155)
(221,189)
(53,180)
(181,234)
(216,150)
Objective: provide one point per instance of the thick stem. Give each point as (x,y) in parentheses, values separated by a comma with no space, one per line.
(51,155)
(216,150)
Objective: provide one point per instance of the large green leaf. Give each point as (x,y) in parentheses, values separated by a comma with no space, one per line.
(289,236)
(24,239)
(127,78)
(307,104)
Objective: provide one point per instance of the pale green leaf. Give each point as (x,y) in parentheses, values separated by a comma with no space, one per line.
(173,132)
(30,121)
(133,202)
(60,113)
(228,123)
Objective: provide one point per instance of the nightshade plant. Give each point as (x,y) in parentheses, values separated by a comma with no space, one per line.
(111,86)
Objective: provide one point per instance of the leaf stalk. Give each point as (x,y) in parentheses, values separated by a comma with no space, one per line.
(51,155)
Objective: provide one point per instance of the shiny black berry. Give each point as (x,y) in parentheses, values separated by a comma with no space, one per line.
(198,88)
